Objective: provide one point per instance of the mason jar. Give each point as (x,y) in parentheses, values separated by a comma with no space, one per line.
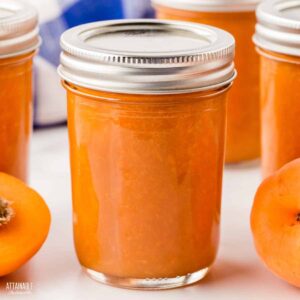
(146,117)
(238,18)
(277,39)
(19,41)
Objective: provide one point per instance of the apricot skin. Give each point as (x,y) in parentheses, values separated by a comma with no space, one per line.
(275,222)
(24,235)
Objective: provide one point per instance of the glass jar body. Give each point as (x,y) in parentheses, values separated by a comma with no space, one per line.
(280,109)
(16,114)
(146,181)
(243,121)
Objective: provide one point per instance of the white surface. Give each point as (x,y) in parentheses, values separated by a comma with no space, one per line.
(237,274)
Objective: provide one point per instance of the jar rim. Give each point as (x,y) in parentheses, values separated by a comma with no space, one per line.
(278,56)
(71,87)
(210,5)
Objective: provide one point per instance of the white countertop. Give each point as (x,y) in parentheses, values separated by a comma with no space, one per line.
(55,273)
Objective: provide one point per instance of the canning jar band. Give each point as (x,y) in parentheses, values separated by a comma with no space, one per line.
(215,92)
(17,58)
(34,49)
(145,56)
(155,92)
(277,56)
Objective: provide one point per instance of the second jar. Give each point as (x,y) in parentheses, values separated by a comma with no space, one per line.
(19,41)
(146,115)
(277,39)
(238,18)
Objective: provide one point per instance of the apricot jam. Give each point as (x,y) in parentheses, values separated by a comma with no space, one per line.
(19,41)
(238,18)
(146,130)
(278,43)
(15,119)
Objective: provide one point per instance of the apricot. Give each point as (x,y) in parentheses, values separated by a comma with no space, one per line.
(275,222)
(24,223)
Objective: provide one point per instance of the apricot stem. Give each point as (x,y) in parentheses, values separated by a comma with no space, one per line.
(298,217)
(6,212)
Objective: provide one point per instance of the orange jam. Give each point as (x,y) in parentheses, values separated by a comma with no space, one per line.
(278,43)
(15,117)
(243,125)
(146,203)
(280,107)
(19,41)
(146,131)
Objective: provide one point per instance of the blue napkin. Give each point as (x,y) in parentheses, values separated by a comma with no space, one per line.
(55,17)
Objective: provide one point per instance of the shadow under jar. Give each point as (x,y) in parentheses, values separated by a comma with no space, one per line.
(238,18)
(146,117)
(278,42)
(19,41)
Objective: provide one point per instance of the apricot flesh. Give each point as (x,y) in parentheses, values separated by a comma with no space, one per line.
(23,235)
(275,222)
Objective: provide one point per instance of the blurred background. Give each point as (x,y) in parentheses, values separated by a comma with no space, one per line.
(55,17)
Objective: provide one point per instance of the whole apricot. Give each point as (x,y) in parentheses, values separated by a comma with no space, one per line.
(275,222)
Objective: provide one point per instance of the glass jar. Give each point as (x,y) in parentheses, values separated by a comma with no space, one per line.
(238,18)
(19,42)
(146,117)
(278,43)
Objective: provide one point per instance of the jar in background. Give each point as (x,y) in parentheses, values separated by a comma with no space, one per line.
(146,117)
(19,42)
(277,39)
(238,18)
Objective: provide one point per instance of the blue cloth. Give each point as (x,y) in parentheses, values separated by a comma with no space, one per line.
(56,17)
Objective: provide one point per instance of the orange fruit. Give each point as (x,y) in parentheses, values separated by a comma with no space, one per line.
(24,223)
(275,222)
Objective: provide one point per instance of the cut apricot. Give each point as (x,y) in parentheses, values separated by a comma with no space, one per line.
(275,222)
(24,223)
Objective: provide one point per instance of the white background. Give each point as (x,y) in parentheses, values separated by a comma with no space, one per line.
(55,273)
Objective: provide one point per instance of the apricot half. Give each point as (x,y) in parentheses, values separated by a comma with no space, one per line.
(275,222)
(24,223)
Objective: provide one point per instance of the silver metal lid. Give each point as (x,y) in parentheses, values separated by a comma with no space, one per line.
(18,28)
(147,56)
(210,5)
(278,26)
